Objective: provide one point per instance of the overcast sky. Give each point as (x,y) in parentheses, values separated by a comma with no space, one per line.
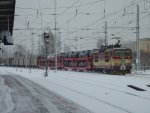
(80,18)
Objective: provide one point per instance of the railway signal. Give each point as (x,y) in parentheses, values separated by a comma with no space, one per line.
(46,41)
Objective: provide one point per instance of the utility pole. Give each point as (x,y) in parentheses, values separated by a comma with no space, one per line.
(8,23)
(46,74)
(41,22)
(137,41)
(76,29)
(55,38)
(39,45)
(32,40)
(25,42)
(106,37)
(76,42)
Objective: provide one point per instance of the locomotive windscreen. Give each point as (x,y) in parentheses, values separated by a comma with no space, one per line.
(122,53)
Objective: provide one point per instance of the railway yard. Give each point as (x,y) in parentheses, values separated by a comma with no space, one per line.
(60,91)
(74,56)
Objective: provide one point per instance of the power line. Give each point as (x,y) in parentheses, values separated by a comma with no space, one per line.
(65,10)
(47,8)
(114,13)
(72,5)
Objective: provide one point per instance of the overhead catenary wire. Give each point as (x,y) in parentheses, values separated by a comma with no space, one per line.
(98,20)
(74,18)
(133,20)
(99,23)
(130,5)
(82,5)
(71,6)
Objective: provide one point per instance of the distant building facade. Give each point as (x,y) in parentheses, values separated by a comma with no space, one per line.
(144,45)
(144,50)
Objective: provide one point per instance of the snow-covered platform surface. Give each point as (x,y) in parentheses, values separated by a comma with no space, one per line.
(99,93)
(20,95)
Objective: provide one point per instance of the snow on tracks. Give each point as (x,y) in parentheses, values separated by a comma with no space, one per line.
(110,92)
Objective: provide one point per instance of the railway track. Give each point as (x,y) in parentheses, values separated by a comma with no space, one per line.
(107,83)
(94,98)
(99,86)
(102,86)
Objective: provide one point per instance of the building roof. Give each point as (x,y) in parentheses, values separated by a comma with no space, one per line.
(7,11)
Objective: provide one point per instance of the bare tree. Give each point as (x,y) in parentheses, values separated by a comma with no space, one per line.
(67,48)
(51,44)
(19,51)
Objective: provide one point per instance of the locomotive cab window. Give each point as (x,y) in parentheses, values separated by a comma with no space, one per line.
(127,53)
(122,53)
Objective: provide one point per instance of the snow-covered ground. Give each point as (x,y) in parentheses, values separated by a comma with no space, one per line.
(100,93)
(6,104)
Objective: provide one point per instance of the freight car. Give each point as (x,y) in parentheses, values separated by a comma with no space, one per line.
(111,59)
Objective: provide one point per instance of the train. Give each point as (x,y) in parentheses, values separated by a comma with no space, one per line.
(112,59)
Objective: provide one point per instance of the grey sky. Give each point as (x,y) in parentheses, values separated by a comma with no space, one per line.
(84,14)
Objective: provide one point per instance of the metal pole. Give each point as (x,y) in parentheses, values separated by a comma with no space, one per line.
(106,37)
(76,41)
(46,74)
(32,34)
(25,43)
(137,41)
(39,46)
(41,22)
(55,38)
(7,48)
(104,9)
(8,23)
(76,30)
